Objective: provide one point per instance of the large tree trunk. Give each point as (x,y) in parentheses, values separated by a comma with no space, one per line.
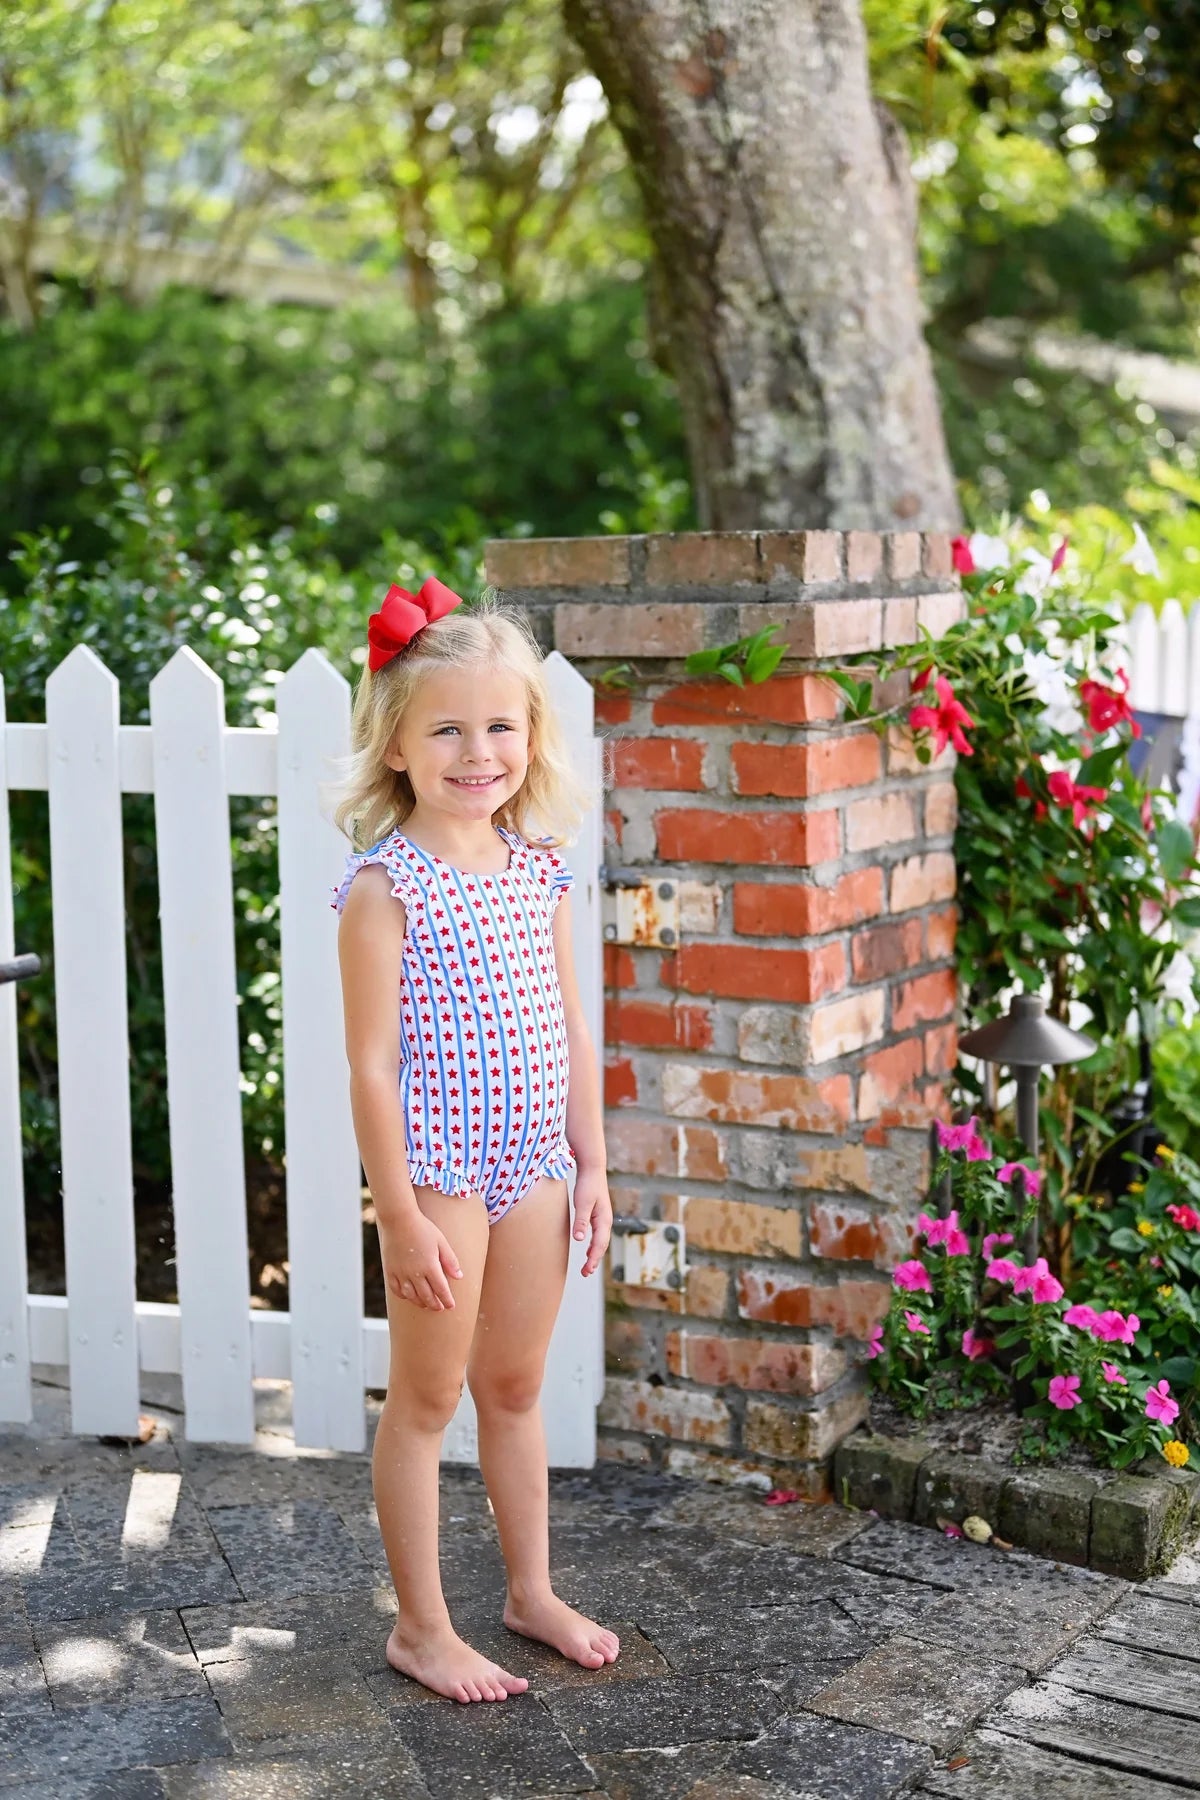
(781,208)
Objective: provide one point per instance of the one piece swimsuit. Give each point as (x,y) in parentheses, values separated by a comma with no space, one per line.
(483,1037)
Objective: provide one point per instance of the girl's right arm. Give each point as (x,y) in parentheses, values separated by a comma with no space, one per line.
(417,1258)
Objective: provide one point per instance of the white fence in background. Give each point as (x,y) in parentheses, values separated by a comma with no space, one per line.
(191,761)
(1164,659)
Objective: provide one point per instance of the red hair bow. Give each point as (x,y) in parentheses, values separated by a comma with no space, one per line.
(402,615)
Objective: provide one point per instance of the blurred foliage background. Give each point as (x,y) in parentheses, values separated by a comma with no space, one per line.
(296,298)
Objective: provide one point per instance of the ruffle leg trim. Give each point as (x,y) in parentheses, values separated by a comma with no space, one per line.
(558,1165)
(446,1181)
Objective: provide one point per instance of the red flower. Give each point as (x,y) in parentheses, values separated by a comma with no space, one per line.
(1186,1217)
(1108,706)
(1023,791)
(964,562)
(945,720)
(1056,561)
(1079,798)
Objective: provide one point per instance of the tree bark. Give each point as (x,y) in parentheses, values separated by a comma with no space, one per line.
(782,212)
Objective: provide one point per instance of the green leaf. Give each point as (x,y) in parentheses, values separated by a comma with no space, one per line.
(731,672)
(1175,849)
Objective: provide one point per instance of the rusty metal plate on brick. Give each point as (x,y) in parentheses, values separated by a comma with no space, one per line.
(646,915)
(653,1258)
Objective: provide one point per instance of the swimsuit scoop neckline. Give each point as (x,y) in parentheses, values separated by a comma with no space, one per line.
(470,874)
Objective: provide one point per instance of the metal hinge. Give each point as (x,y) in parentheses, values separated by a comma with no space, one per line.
(647,909)
(647,1253)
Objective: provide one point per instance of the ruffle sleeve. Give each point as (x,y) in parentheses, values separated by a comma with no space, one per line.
(553,874)
(405,886)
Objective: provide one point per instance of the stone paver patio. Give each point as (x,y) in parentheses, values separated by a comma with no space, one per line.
(178,1621)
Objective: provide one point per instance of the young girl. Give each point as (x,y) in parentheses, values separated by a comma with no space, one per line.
(463,1019)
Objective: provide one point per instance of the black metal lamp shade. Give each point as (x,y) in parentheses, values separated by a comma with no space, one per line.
(1026,1039)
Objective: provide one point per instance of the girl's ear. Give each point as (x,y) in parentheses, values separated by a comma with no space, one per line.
(394,757)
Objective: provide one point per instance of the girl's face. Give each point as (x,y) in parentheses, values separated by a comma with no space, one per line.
(464,741)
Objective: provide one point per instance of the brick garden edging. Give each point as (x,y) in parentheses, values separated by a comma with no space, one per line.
(770,1076)
(1120,1523)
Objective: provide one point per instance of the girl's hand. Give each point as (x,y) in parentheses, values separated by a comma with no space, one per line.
(417,1259)
(593,1211)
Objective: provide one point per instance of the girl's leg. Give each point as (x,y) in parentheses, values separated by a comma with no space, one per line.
(428,1359)
(522,1288)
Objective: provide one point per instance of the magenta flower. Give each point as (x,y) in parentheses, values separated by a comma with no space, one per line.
(1086,1318)
(1002,1270)
(1039,1283)
(963,1137)
(1064,1392)
(915,1322)
(1031,1179)
(1111,1373)
(1111,1328)
(913,1276)
(993,1241)
(1159,1404)
(927,1226)
(875,1346)
(974,1348)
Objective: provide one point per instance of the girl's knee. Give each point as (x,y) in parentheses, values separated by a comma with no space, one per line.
(512,1390)
(429,1406)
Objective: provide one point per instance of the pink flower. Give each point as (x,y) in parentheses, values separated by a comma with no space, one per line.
(875,1346)
(974,1348)
(953,1531)
(1002,1270)
(963,1137)
(1056,561)
(1031,1179)
(945,720)
(1064,1392)
(1111,1328)
(1086,1318)
(915,1322)
(993,1241)
(977,1150)
(1186,1217)
(1038,1282)
(945,1231)
(960,556)
(913,1276)
(927,1226)
(957,1243)
(1111,1373)
(1159,1404)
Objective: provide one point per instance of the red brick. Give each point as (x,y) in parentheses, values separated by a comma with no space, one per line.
(739,1228)
(888,1076)
(620,1083)
(616,629)
(936,556)
(922,880)
(557,562)
(614,825)
(941,1050)
(864,555)
(902,551)
(835,1169)
(771,1364)
(706,1291)
(885,950)
(795,1436)
(941,810)
(680,1413)
(928,997)
(796,839)
(778,1297)
(800,910)
(627,1350)
(798,770)
(741,973)
(846,1025)
(660,1025)
(802,555)
(847,1232)
(612,709)
(940,931)
(701,558)
(899,622)
(620,970)
(744,1097)
(784,700)
(645,1147)
(666,763)
(884,819)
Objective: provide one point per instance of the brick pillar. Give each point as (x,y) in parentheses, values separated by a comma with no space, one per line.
(770,1078)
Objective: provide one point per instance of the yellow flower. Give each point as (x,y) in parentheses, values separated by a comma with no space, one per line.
(1176,1453)
(1137,1187)
(1145,1228)
(1164,1293)
(1166,1154)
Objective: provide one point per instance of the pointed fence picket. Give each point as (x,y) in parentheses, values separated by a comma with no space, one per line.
(1163,653)
(88,903)
(192,763)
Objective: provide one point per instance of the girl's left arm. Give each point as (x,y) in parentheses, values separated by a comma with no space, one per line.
(585,1111)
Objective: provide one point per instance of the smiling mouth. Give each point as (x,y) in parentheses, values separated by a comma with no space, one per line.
(473,781)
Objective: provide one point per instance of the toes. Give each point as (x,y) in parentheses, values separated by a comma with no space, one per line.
(460,1694)
(473,1692)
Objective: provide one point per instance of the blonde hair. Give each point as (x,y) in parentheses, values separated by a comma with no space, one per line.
(375,799)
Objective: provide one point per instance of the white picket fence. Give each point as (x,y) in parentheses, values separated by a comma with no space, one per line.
(1164,659)
(191,761)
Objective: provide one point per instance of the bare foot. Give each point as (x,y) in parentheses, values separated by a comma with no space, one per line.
(551,1621)
(450,1667)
